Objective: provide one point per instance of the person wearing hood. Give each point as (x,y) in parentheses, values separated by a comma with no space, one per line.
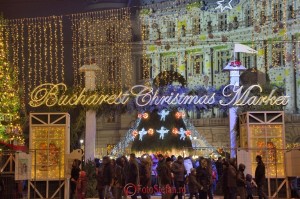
(241,182)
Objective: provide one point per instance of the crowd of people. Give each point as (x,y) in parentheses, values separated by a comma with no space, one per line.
(169,177)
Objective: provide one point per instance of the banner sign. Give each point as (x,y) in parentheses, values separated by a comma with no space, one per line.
(58,95)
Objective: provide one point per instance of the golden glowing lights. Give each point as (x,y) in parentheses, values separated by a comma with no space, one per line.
(175,131)
(135,133)
(150,131)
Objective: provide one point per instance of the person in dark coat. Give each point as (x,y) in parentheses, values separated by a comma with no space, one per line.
(224,179)
(203,179)
(241,182)
(161,163)
(107,180)
(74,177)
(165,175)
(260,177)
(145,177)
(193,184)
(132,176)
(179,172)
(231,179)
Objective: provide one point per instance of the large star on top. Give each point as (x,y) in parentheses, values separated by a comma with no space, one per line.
(221,7)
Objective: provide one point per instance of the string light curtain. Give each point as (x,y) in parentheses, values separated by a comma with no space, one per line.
(36,49)
(103,38)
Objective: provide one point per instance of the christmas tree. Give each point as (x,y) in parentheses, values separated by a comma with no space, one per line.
(162,130)
(10,129)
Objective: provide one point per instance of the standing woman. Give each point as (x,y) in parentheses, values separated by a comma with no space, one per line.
(74,177)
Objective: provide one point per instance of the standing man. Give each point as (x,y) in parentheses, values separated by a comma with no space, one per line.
(260,177)
(179,171)
(231,179)
(132,175)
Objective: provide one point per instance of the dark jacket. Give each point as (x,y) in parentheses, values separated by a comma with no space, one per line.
(145,175)
(231,176)
(179,171)
(241,179)
(107,175)
(203,178)
(165,175)
(193,185)
(260,173)
(132,173)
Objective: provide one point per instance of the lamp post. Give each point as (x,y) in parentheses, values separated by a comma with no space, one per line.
(234,68)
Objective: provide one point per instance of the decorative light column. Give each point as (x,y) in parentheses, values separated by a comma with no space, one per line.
(234,69)
(90,120)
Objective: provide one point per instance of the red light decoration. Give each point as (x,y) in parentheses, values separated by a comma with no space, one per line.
(150,131)
(135,133)
(175,131)
(178,115)
(140,115)
(145,115)
(188,133)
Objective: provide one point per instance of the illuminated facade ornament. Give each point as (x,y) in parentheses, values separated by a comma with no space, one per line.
(162,132)
(142,133)
(163,113)
(221,7)
(182,134)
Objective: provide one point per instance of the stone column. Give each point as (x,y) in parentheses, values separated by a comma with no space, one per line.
(90,120)
(289,78)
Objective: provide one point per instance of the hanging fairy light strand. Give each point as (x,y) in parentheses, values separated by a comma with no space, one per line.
(103,38)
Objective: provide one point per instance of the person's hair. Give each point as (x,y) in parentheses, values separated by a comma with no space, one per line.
(179,157)
(258,157)
(132,155)
(169,159)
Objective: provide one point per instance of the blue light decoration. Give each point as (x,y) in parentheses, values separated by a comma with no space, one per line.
(162,132)
(182,132)
(163,113)
(142,133)
(119,149)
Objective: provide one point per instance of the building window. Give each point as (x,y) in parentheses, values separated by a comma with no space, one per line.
(111,118)
(196,26)
(223,58)
(170,29)
(222,22)
(263,18)
(112,34)
(277,12)
(169,63)
(278,57)
(197,64)
(112,70)
(249,60)
(145,68)
(291,12)
(248,17)
(145,32)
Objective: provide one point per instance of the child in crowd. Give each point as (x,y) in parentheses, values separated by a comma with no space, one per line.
(81,185)
(250,184)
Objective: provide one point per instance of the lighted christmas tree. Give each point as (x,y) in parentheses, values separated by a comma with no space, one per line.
(10,129)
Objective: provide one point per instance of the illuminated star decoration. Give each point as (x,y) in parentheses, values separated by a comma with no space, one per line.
(142,133)
(221,7)
(182,134)
(162,132)
(163,114)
